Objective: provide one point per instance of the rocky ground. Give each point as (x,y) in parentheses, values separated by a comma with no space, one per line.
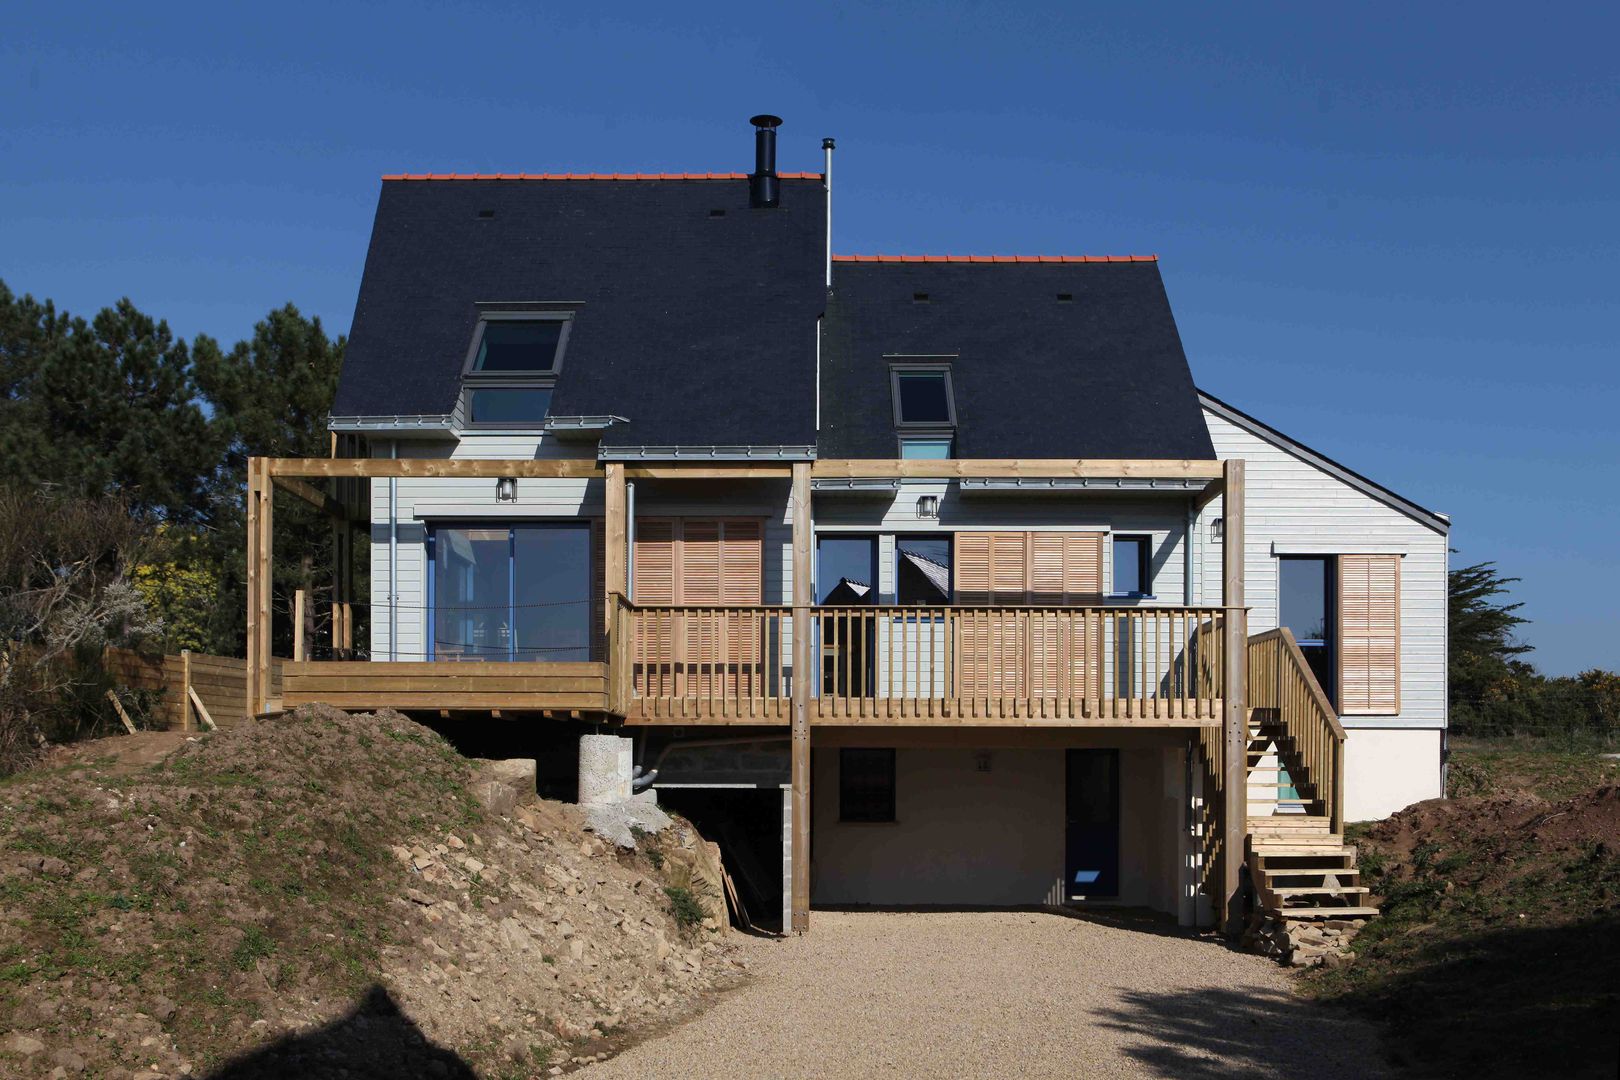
(323,895)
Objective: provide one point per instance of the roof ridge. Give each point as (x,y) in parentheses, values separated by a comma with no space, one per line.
(993,258)
(595,176)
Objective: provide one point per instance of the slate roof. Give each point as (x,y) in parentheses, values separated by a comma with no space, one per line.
(698,328)
(1102,375)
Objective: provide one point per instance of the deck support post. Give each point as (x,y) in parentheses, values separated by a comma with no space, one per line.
(803,662)
(614,531)
(259,544)
(1235,774)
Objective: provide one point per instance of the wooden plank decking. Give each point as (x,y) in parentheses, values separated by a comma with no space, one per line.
(447,685)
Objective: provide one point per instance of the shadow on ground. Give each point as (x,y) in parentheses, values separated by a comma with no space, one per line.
(376,1041)
(1501,1004)
(1206,1034)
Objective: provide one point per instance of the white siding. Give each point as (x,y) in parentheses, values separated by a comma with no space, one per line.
(1294,506)
(424,500)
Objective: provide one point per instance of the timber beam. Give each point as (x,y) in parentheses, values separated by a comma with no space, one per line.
(314,496)
(1033,469)
(386,468)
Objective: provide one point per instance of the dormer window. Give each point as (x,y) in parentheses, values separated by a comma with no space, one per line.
(512,368)
(924,409)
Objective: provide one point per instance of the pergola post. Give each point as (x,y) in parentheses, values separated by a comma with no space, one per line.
(1235,771)
(803,663)
(614,532)
(259,547)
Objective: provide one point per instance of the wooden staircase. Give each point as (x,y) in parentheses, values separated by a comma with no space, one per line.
(1299,866)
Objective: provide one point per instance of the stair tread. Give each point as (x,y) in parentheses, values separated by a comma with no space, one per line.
(1321,912)
(1303,851)
(1316,890)
(1310,871)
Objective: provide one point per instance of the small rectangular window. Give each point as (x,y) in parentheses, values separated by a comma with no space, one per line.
(1133,573)
(925,397)
(865,785)
(520,345)
(925,449)
(508,404)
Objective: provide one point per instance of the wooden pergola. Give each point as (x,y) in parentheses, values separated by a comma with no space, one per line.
(295,475)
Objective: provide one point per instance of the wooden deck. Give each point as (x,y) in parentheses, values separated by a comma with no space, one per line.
(448,686)
(926,712)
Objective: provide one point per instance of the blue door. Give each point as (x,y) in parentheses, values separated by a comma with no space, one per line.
(1092,807)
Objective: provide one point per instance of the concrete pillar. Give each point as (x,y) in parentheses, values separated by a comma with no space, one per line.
(606,764)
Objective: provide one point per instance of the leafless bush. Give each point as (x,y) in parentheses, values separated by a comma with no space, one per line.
(65,594)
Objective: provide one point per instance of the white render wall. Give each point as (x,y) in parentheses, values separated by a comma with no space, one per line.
(995,838)
(1389,769)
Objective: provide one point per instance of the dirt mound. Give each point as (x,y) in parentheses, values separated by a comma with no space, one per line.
(321,895)
(1502,827)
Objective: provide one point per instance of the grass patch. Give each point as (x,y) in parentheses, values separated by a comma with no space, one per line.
(685,907)
(1496,950)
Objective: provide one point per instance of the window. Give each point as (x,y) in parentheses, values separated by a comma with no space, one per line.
(510,593)
(865,785)
(1305,604)
(520,345)
(513,367)
(1133,566)
(922,396)
(922,571)
(925,449)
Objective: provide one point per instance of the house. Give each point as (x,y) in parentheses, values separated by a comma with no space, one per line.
(935,578)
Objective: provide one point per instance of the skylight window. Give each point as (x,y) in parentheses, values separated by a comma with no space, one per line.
(922,397)
(520,345)
(512,369)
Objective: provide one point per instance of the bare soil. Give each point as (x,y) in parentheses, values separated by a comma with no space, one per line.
(1498,950)
(320,895)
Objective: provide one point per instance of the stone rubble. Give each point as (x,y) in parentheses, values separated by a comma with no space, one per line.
(1303,942)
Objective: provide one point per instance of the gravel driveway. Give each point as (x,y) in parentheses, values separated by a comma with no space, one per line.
(1003,994)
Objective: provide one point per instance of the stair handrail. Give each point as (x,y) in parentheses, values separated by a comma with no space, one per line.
(1280,678)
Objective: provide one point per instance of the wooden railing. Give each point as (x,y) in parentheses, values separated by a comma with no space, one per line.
(916,664)
(1211,788)
(1281,680)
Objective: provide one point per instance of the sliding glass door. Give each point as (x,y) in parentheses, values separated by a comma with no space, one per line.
(519,592)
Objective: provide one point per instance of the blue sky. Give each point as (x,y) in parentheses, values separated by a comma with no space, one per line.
(1391,231)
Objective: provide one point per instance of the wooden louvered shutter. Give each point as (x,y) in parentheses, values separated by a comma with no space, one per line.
(1065,569)
(742,582)
(991,569)
(1369,634)
(654,583)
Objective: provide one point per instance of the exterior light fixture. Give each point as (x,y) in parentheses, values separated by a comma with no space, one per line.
(1217,528)
(928,506)
(506,489)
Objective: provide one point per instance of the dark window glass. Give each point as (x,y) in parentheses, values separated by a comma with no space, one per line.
(846,570)
(1306,585)
(922,572)
(552,592)
(1131,574)
(1303,601)
(509,404)
(472,594)
(923,397)
(513,345)
(865,785)
(521,593)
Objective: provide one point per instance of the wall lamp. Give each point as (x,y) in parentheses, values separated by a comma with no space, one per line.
(928,506)
(506,489)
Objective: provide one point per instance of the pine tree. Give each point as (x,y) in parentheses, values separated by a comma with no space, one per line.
(102,408)
(270,397)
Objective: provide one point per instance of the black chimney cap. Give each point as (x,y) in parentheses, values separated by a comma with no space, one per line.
(765,120)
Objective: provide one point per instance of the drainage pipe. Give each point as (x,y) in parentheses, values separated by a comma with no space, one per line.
(393,557)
